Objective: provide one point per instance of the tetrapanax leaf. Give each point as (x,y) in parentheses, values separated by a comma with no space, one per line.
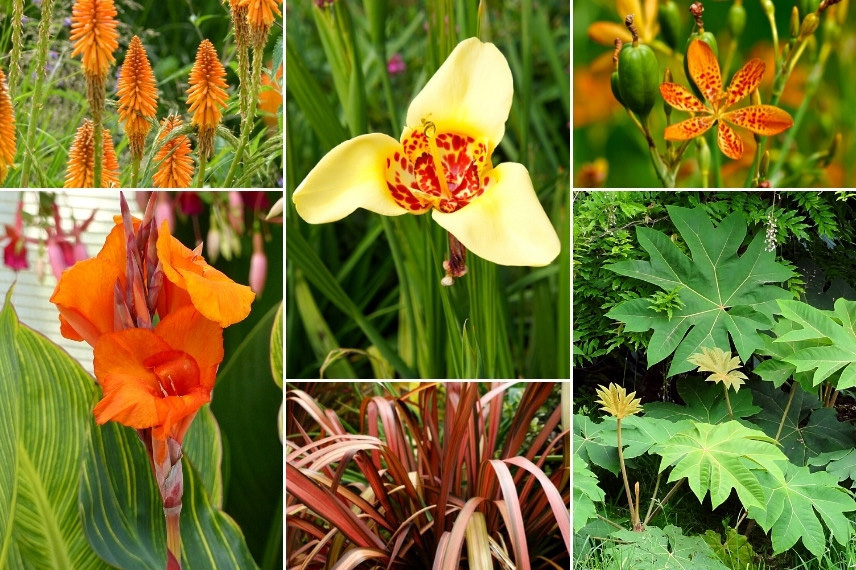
(795,499)
(807,429)
(837,334)
(664,549)
(735,551)
(705,403)
(719,458)
(776,369)
(723,293)
(590,446)
(841,464)
(586,494)
(638,434)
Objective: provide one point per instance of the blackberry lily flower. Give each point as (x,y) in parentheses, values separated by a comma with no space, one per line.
(443,164)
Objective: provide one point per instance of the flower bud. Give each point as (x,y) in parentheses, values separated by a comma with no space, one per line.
(212,243)
(236,211)
(736,19)
(258,265)
(809,25)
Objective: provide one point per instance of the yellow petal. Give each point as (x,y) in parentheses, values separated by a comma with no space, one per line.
(605,33)
(470,93)
(350,176)
(507,224)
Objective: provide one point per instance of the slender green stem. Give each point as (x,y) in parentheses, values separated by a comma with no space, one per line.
(653,498)
(728,402)
(609,522)
(634,516)
(247,121)
(200,176)
(387,89)
(36,106)
(135,171)
(787,409)
(668,496)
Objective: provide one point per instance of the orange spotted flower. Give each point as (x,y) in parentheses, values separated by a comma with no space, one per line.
(81,159)
(93,33)
(764,120)
(175,165)
(7,129)
(138,96)
(207,95)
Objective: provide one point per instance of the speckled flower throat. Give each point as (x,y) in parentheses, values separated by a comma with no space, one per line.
(442,170)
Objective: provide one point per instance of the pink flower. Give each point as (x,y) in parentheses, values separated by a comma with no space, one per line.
(396,64)
(15,252)
(258,265)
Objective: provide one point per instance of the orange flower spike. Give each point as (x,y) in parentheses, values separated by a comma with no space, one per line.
(212,293)
(7,129)
(158,378)
(175,165)
(764,120)
(138,96)
(207,95)
(81,159)
(260,15)
(93,33)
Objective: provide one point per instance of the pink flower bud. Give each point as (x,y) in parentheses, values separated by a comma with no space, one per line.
(190,203)
(56,257)
(212,243)
(258,266)
(236,211)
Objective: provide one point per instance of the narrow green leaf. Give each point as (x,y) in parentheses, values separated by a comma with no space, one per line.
(276,343)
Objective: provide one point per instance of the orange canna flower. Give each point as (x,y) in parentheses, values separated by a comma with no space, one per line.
(764,120)
(93,33)
(7,129)
(207,95)
(175,165)
(158,378)
(81,159)
(190,278)
(138,96)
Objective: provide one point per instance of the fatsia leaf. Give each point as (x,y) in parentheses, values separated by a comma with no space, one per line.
(837,333)
(723,294)
(586,494)
(705,403)
(798,501)
(808,429)
(719,458)
(663,549)
(590,446)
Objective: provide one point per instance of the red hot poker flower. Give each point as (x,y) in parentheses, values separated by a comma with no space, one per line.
(138,96)
(760,119)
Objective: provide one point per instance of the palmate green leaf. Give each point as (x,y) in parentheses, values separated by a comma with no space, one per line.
(838,334)
(776,369)
(662,549)
(808,429)
(590,447)
(795,499)
(841,464)
(45,418)
(735,552)
(723,294)
(705,403)
(639,433)
(719,458)
(586,494)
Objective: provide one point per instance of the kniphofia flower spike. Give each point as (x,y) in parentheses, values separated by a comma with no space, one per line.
(7,129)
(764,120)
(443,164)
(138,96)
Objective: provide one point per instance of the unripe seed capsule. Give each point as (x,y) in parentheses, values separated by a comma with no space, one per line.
(671,27)
(736,19)
(638,74)
(809,25)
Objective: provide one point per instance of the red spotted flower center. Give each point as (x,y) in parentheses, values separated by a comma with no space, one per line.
(437,170)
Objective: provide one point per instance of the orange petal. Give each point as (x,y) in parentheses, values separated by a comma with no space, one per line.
(704,69)
(745,81)
(84,298)
(681,98)
(761,119)
(634,7)
(729,142)
(197,336)
(688,129)
(605,33)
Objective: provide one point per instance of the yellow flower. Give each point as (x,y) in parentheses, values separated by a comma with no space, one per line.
(617,402)
(206,95)
(721,364)
(443,164)
(7,129)
(175,166)
(138,96)
(645,18)
(81,159)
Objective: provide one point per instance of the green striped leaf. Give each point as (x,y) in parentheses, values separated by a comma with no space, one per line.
(45,420)
(276,348)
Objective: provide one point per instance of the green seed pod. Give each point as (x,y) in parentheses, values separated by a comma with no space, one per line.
(638,75)
(736,19)
(806,7)
(671,27)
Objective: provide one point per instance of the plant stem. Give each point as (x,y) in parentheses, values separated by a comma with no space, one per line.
(666,498)
(200,176)
(653,498)
(793,392)
(728,402)
(247,121)
(36,105)
(15,60)
(135,171)
(634,516)
(607,521)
